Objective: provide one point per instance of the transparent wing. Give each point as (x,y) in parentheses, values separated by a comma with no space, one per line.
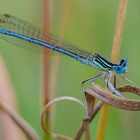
(14,24)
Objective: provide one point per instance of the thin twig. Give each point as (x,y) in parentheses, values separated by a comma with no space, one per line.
(82,128)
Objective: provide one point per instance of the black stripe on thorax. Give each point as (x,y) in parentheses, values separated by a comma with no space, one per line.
(102,61)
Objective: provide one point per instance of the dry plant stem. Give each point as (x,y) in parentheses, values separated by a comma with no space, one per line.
(28,131)
(129,88)
(119,30)
(47,106)
(113,100)
(102,122)
(87,131)
(46,70)
(114,57)
(7,94)
(54,78)
(107,97)
(82,128)
(46,63)
(91,114)
(90,106)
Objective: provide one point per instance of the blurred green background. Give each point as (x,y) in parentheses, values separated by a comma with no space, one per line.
(91,26)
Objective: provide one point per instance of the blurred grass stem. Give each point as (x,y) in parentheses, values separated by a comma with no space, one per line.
(114,57)
(46,63)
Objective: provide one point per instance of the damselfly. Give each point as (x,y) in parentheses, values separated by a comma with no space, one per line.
(25,35)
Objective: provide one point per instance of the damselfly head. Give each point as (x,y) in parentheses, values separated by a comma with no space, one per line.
(121,68)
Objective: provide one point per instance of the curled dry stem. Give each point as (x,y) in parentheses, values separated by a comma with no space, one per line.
(107,97)
(43,117)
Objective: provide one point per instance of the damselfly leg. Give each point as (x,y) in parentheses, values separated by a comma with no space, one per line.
(90,80)
(110,86)
(107,76)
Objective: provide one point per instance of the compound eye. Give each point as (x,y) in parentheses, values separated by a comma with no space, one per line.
(123,62)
